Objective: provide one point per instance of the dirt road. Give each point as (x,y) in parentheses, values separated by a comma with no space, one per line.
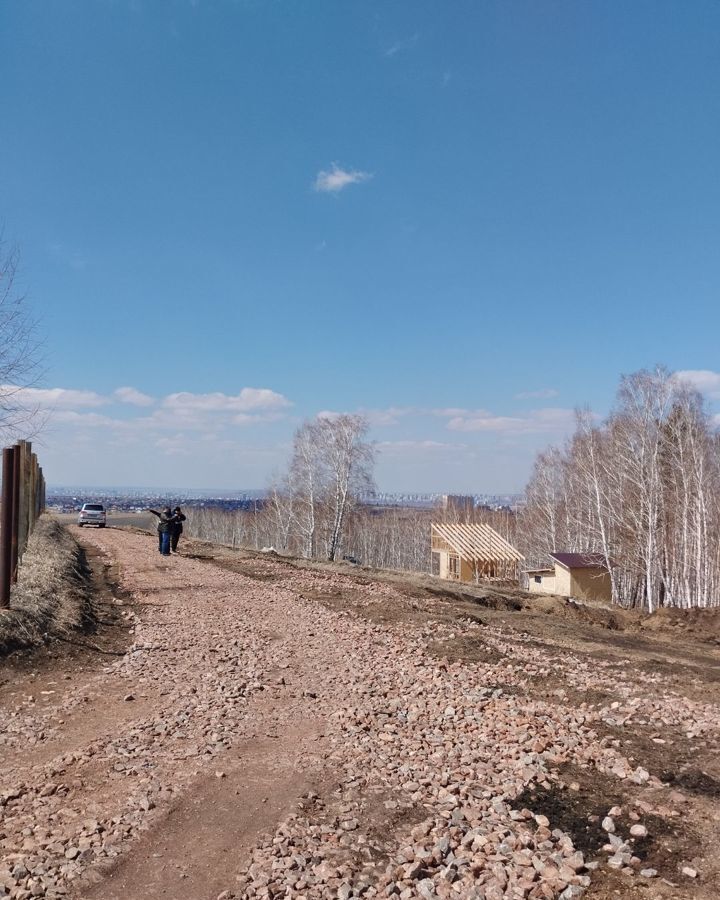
(260,730)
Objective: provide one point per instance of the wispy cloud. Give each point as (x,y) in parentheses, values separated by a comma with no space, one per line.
(401,45)
(390,416)
(248,400)
(542,394)
(704,380)
(446,412)
(188,411)
(336,179)
(53,398)
(133,397)
(89,420)
(422,446)
(66,256)
(376,417)
(541,420)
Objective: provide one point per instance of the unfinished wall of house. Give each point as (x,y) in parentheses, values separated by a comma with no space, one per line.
(590,584)
(546,585)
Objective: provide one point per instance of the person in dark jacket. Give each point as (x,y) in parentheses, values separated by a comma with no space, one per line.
(177,528)
(164,529)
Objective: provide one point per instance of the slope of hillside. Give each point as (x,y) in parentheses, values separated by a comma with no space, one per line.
(277,729)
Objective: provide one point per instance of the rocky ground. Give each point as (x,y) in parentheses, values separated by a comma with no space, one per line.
(247,728)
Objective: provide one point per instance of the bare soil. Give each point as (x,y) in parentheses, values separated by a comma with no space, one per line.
(210,700)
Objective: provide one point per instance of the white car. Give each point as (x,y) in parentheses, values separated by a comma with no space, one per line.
(92,514)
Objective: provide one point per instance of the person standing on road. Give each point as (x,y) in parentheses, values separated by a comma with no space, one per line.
(164,529)
(177,528)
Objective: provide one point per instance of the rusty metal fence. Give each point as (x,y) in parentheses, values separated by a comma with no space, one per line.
(22,501)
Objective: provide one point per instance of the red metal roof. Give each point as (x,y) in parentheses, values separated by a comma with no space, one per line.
(581,560)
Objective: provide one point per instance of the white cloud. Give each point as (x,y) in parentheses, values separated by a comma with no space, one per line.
(389,416)
(248,400)
(704,380)
(375,417)
(483,421)
(402,447)
(53,398)
(252,418)
(337,179)
(173,446)
(542,394)
(91,420)
(541,420)
(133,397)
(449,411)
(401,45)
(199,413)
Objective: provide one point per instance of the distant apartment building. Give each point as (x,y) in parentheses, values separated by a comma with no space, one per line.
(457,504)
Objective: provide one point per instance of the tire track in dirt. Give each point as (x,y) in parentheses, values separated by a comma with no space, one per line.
(218,676)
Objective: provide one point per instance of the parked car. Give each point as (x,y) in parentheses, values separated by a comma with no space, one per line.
(92,514)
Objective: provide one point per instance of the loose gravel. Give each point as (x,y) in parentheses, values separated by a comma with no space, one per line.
(426,756)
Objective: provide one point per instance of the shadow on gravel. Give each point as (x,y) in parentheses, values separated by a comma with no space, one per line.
(468,648)
(668,844)
(693,780)
(490,601)
(577,813)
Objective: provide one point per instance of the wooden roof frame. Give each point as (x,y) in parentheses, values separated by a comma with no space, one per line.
(479,543)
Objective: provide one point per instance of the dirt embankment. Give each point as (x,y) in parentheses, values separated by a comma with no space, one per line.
(53,596)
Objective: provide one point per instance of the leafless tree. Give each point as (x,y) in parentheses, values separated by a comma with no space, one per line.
(305,483)
(19,352)
(306,510)
(280,503)
(642,489)
(347,459)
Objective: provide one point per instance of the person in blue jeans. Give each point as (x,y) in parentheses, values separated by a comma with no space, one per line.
(164,528)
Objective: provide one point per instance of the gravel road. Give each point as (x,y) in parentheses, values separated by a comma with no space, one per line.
(257,740)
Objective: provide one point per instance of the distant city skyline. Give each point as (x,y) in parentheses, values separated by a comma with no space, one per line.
(462,221)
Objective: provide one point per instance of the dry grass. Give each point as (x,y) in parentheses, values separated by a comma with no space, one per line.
(52,597)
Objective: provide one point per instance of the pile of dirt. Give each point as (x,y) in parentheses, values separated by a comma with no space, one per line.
(703,624)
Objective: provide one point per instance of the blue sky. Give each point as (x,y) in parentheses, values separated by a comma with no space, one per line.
(464,219)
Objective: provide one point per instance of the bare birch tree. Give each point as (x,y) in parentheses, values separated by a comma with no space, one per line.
(642,489)
(347,459)
(305,483)
(19,352)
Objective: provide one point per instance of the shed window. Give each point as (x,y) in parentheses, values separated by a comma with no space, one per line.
(538,579)
(454,565)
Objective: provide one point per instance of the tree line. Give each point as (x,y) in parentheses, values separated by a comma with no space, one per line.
(308,507)
(641,488)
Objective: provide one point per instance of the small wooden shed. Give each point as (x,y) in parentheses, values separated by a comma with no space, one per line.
(584,576)
(472,553)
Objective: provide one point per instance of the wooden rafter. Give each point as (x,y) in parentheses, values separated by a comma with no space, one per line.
(478,543)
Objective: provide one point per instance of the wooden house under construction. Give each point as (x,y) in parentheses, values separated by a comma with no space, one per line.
(472,553)
(583,576)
